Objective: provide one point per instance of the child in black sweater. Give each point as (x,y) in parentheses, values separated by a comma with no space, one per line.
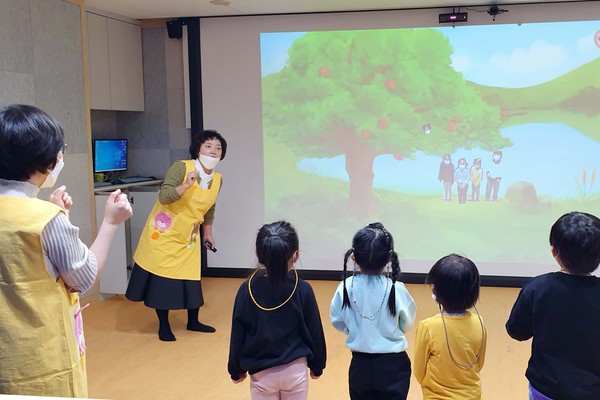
(276,332)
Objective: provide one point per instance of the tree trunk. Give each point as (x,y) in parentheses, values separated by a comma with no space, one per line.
(359,166)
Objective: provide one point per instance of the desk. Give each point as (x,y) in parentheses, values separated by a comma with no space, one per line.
(126,186)
(142,196)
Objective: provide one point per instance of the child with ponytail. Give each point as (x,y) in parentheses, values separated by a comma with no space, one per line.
(276,332)
(375,311)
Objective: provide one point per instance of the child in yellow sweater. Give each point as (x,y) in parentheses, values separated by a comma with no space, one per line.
(450,346)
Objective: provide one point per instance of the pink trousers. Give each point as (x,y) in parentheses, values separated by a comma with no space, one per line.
(283,382)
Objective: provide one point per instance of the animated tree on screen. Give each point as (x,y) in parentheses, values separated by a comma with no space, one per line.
(367,118)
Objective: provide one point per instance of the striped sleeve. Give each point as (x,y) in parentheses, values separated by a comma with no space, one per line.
(67,256)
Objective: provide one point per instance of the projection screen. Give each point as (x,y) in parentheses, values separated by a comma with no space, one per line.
(337,120)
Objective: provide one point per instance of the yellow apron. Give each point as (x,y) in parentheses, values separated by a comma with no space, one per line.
(41,336)
(170,245)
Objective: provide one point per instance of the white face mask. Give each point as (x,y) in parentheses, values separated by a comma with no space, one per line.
(433,294)
(446,162)
(50,180)
(208,162)
(462,166)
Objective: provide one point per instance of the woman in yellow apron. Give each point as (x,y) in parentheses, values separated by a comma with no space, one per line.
(43,263)
(166,273)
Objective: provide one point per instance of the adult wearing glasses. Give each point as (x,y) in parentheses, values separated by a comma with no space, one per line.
(43,263)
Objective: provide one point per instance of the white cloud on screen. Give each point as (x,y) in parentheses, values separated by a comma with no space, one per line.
(538,56)
(586,44)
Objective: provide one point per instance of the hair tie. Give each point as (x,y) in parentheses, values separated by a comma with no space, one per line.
(387,235)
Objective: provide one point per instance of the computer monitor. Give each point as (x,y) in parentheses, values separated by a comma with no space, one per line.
(110,155)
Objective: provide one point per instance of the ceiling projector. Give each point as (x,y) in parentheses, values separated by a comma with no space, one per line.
(453,17)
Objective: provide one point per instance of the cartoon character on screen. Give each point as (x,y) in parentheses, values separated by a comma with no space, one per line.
(446,176)
(476,178)
(494,176)
(462,178)
(426,128)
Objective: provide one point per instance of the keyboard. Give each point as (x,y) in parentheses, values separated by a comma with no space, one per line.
(135,179)
(101,184)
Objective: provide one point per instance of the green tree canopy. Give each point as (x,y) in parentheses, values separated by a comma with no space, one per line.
(366,93)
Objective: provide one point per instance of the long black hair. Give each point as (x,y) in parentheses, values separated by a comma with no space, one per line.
(276,244)
(373,248)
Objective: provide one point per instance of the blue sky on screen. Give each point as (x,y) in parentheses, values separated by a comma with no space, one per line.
(495,55)
(571,150)
(500,55)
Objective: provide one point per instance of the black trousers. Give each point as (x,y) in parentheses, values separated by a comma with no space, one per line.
(379,376)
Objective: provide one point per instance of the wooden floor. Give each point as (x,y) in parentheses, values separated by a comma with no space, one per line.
(127,361)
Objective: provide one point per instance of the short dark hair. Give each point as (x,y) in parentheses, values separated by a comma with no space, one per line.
(202,137)
(575,238)
(30,140)
(456,282)
(276,244)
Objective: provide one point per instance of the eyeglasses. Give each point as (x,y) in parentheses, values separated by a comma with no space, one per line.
(64,148)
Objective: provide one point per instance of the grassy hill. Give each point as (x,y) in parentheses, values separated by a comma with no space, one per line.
(571,99)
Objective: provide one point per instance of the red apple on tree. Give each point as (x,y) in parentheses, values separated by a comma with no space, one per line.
(390,84)
(324,72)
(451,127)
(382,123)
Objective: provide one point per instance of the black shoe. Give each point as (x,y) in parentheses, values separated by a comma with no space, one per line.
(166,335)
(200,327)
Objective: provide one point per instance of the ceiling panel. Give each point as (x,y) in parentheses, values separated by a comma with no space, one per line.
(145,9)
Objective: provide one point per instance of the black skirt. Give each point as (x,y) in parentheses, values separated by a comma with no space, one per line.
(163,293)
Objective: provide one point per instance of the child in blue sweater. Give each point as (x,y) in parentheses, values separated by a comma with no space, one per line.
(375,310)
